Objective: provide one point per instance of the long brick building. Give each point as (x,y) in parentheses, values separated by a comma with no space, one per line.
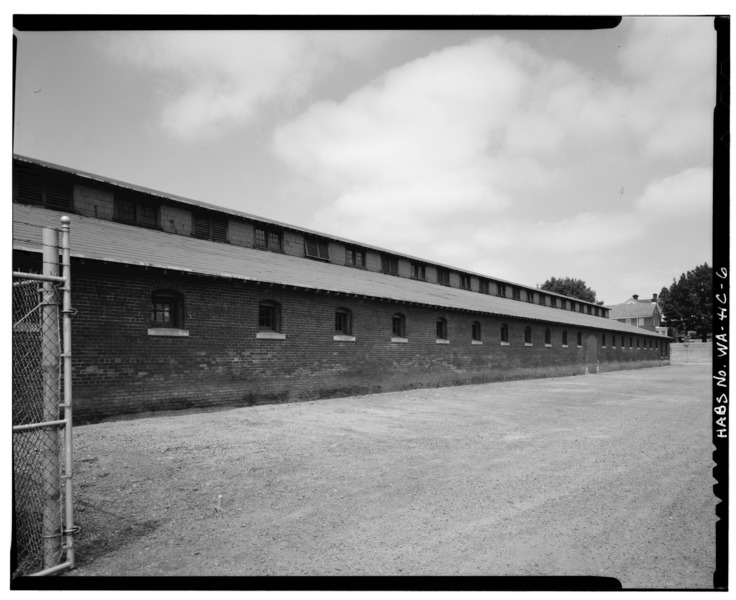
(182,304)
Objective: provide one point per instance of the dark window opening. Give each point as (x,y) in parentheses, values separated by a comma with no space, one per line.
(209,228)
(268,239)
(484,286)
(553,302)
(355,258)
(516,293)
(441,329)
(504,333)
(530,296)
(475,331)
(314,248)
(443,276)
(139,212)
(465,282)
(564,338)
(580,339)
(343,321)
(269,316)
(547,336)
(167,309)
(528,335)
(389,265)
(418,271)
(30,187)
(501,290)
(398,325)
(603,340)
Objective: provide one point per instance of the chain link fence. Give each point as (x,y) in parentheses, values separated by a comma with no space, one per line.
(40,508)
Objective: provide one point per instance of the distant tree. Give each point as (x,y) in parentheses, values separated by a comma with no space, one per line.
(688,303)
(575,288)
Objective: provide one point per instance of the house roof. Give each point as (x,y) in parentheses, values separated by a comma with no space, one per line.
(630,310)
(228,211)
(118,243)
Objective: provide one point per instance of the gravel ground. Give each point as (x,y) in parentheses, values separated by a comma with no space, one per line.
(604,475)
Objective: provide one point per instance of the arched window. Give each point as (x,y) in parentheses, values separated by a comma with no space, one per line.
(548,337)
(528,335)
(475,331)
(580,339)
(441,328)
(344,321)
(505,333)
(167,308)
(269,316)
(398,325)
(564,338)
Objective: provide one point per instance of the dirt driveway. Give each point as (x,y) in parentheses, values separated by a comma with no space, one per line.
(605,475)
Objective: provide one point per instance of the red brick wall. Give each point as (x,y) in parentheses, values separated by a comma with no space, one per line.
(119,369)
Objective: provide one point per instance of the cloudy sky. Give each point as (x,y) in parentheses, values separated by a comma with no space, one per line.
(517,154)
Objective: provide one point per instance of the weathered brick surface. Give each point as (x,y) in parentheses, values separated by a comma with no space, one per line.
(240,233)
(176,220)
(293,243)
(119,369)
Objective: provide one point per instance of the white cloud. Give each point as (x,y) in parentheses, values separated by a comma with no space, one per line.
(687,195)
(213,80)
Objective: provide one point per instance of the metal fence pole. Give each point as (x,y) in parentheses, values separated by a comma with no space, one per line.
(67,357)
(50,373)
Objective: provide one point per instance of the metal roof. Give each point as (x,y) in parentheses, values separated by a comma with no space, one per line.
(236,213)
(115,242)
(633,310)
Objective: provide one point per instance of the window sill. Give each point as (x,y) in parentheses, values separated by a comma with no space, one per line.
(343,338)
(399,340)
(565,346)
(579,346)
(270,335)
(168,332)
(476,342)
(441,341)
(527,344)
(505,343)
(548,345)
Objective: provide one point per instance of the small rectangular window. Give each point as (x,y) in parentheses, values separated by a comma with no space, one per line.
(465,282)
(443,276)
(355,257)
(501,290)
(30,187)
(516,293)
(475,331)
(484,286)
(441,329)
(418,271)
(542,299)
(209,228)
(398,326)
(553,302)
(316,248)
(343,321)
(530,296)
(389,265)
(267,238)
